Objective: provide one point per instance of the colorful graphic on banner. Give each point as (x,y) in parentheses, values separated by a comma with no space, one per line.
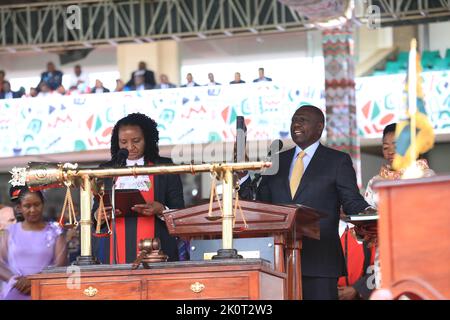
(191,115)
(379,100)
(186,115)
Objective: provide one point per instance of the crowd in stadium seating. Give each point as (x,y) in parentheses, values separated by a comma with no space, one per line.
(141,79)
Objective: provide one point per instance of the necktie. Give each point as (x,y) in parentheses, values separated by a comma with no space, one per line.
(297,173)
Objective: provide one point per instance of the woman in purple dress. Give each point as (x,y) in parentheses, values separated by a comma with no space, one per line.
(29,247)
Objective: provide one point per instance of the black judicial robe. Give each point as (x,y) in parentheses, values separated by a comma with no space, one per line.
(168,190)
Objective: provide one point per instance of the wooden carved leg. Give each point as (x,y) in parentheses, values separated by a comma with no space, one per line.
(294,271)
(279,262)
(280,258)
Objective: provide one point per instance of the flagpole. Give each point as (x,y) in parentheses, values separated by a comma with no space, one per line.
(412,171)
(412,96)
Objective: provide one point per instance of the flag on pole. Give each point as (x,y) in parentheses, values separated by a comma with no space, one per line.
(414,134)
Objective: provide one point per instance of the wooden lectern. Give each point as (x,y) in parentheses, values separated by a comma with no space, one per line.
(414,237)
(287,224)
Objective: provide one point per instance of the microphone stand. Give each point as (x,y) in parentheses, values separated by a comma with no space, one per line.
(113,221)
(254,185)
(258,176)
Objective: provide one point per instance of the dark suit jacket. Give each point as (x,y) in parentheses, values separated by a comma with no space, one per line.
(146,87)
(149,78)
(265,79)
(171,85)
(15,94)
(328,182)
(94,90)
(195,85)
(169,192)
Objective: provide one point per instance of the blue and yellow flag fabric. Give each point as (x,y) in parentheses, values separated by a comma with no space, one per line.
(424,128)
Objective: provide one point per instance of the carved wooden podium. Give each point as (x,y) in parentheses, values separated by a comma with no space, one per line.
(287,224)
(414,237)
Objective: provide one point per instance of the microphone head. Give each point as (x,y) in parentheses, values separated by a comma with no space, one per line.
(122,156)
(122,153)
(280,144)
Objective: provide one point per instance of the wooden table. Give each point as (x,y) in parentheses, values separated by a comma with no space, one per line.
(252,279)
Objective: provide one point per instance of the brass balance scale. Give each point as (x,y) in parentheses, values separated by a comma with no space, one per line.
(48,175)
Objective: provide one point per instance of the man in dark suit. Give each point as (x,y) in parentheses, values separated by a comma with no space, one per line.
(52,77)
(190,81)
(164,83)
(149,76)
(322,178)
(139,84)
(262,77)
(237,79)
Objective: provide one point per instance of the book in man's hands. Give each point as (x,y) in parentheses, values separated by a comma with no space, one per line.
(361,217)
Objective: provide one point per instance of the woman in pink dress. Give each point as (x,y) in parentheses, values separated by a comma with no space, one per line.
(29,247)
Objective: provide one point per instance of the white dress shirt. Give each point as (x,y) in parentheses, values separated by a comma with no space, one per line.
(141,183)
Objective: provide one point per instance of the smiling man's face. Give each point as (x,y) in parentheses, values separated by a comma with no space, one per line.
(306,127)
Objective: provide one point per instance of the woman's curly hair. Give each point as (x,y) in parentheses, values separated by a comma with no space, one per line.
(149,129)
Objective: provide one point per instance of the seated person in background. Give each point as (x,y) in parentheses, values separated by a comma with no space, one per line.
(61,90)
(6,218)
(2,77)
(28,247)
(164,83)
(212,82)
(33,92)
(120,85)
(99,88)
(358,258)
(14,193)
(52,77)
(79,80)
(237,79)
(190,81)
(139,83)
(8,94)
(262,77)
(139,135)
(149,76)
(44,90)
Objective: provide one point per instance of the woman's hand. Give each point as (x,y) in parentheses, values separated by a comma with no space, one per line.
(23,284)
(149,209)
